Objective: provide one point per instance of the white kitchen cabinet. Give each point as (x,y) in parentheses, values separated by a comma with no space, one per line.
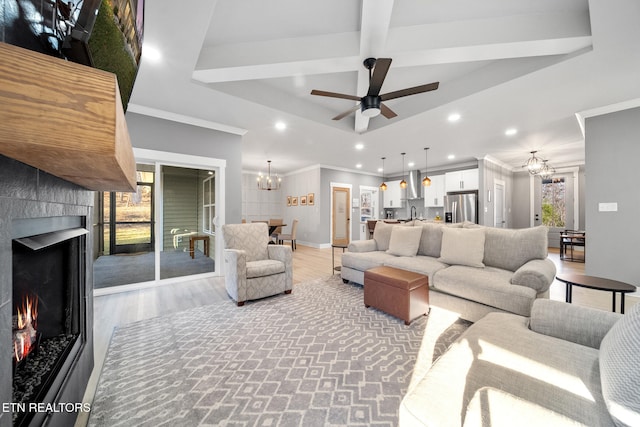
(393,196)
(463,180)
(434,194)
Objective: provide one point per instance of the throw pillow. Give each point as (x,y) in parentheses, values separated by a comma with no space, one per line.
(404,241)
(510,249)
(382,234)
(619,376)
(462,246)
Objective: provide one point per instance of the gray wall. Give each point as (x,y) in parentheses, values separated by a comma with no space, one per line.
(163,135)
(489,172)
(612,152)
(327,176)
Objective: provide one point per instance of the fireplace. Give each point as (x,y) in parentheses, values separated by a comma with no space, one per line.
(46,274)
(48,321)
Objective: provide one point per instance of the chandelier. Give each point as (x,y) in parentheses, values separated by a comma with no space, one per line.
(546,171)
(269,182)
(533,164)
(539,167)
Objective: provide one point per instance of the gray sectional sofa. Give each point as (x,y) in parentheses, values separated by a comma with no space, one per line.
(473,270)
(566,365)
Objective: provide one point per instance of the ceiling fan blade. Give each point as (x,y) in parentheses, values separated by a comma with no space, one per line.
(335,95)
(346,113)
(387,112)
(409,91)
(379,73)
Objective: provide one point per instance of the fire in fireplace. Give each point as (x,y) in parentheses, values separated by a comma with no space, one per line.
(25,335)
(49,310)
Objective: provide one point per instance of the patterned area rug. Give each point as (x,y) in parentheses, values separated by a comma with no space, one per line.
(316,357)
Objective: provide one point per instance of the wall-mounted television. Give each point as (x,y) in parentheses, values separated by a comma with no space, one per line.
(104,34)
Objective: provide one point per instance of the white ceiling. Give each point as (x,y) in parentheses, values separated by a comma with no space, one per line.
(530,64)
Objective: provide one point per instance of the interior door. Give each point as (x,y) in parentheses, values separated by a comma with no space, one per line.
(340,215)
(554,205)
(499,211)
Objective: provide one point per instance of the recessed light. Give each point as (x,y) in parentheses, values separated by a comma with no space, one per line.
(380,170)
(411,164)
(359,165)
(359,146)
(453,117)
(281,125)
(511,131)
(151,53)
(451,156)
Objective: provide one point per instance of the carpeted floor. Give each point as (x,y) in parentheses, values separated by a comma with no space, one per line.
(316,357)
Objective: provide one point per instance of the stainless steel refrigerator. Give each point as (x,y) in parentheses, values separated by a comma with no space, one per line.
(461,206)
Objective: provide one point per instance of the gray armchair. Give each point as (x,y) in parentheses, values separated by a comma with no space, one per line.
(253,268)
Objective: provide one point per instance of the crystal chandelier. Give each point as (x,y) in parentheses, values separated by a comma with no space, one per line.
(383,186)
(269,182)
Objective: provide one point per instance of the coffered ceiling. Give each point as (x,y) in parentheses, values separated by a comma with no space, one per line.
(243,65)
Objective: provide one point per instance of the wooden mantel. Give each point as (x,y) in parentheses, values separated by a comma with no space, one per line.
(65,119)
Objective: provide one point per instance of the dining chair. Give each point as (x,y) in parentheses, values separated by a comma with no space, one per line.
(278,230)
(292,236)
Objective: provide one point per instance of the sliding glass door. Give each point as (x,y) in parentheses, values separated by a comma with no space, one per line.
(167,229)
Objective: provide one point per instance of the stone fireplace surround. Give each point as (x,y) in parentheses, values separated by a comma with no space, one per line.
(26,192)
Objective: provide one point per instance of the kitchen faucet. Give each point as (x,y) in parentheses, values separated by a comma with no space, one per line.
(413,211)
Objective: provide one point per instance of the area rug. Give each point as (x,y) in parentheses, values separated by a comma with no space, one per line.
(316,357)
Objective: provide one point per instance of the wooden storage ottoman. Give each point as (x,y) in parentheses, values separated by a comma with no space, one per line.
(403,294)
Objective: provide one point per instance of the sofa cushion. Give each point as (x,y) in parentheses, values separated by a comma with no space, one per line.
(490,286)
(462,246)
(404,241)
(499,352)
(419,264)
(265,267)
(382,235)
(430,240)
(363,261)
(619,361)
(511,248)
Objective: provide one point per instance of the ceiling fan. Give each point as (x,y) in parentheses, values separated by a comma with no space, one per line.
(371,104)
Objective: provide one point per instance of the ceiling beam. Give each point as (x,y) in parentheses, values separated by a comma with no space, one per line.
(420,45)
(374,27)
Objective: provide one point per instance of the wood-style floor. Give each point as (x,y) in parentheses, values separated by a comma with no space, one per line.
(115,310)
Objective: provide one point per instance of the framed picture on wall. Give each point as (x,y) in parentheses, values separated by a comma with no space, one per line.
(294,201)
(310,198)
(288,200)
(303,200)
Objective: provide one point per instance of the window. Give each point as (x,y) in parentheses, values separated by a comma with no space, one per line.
(209,204)
(554,206)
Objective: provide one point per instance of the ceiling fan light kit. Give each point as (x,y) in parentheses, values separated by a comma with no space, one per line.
(371,104)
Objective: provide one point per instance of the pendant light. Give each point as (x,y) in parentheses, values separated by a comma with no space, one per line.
(534,164)
(426,181)
(403,183)
(383,186)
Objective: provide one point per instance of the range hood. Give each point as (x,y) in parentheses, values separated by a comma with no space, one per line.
(414,185)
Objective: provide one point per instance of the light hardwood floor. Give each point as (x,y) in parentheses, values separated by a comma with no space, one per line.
(115,310)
